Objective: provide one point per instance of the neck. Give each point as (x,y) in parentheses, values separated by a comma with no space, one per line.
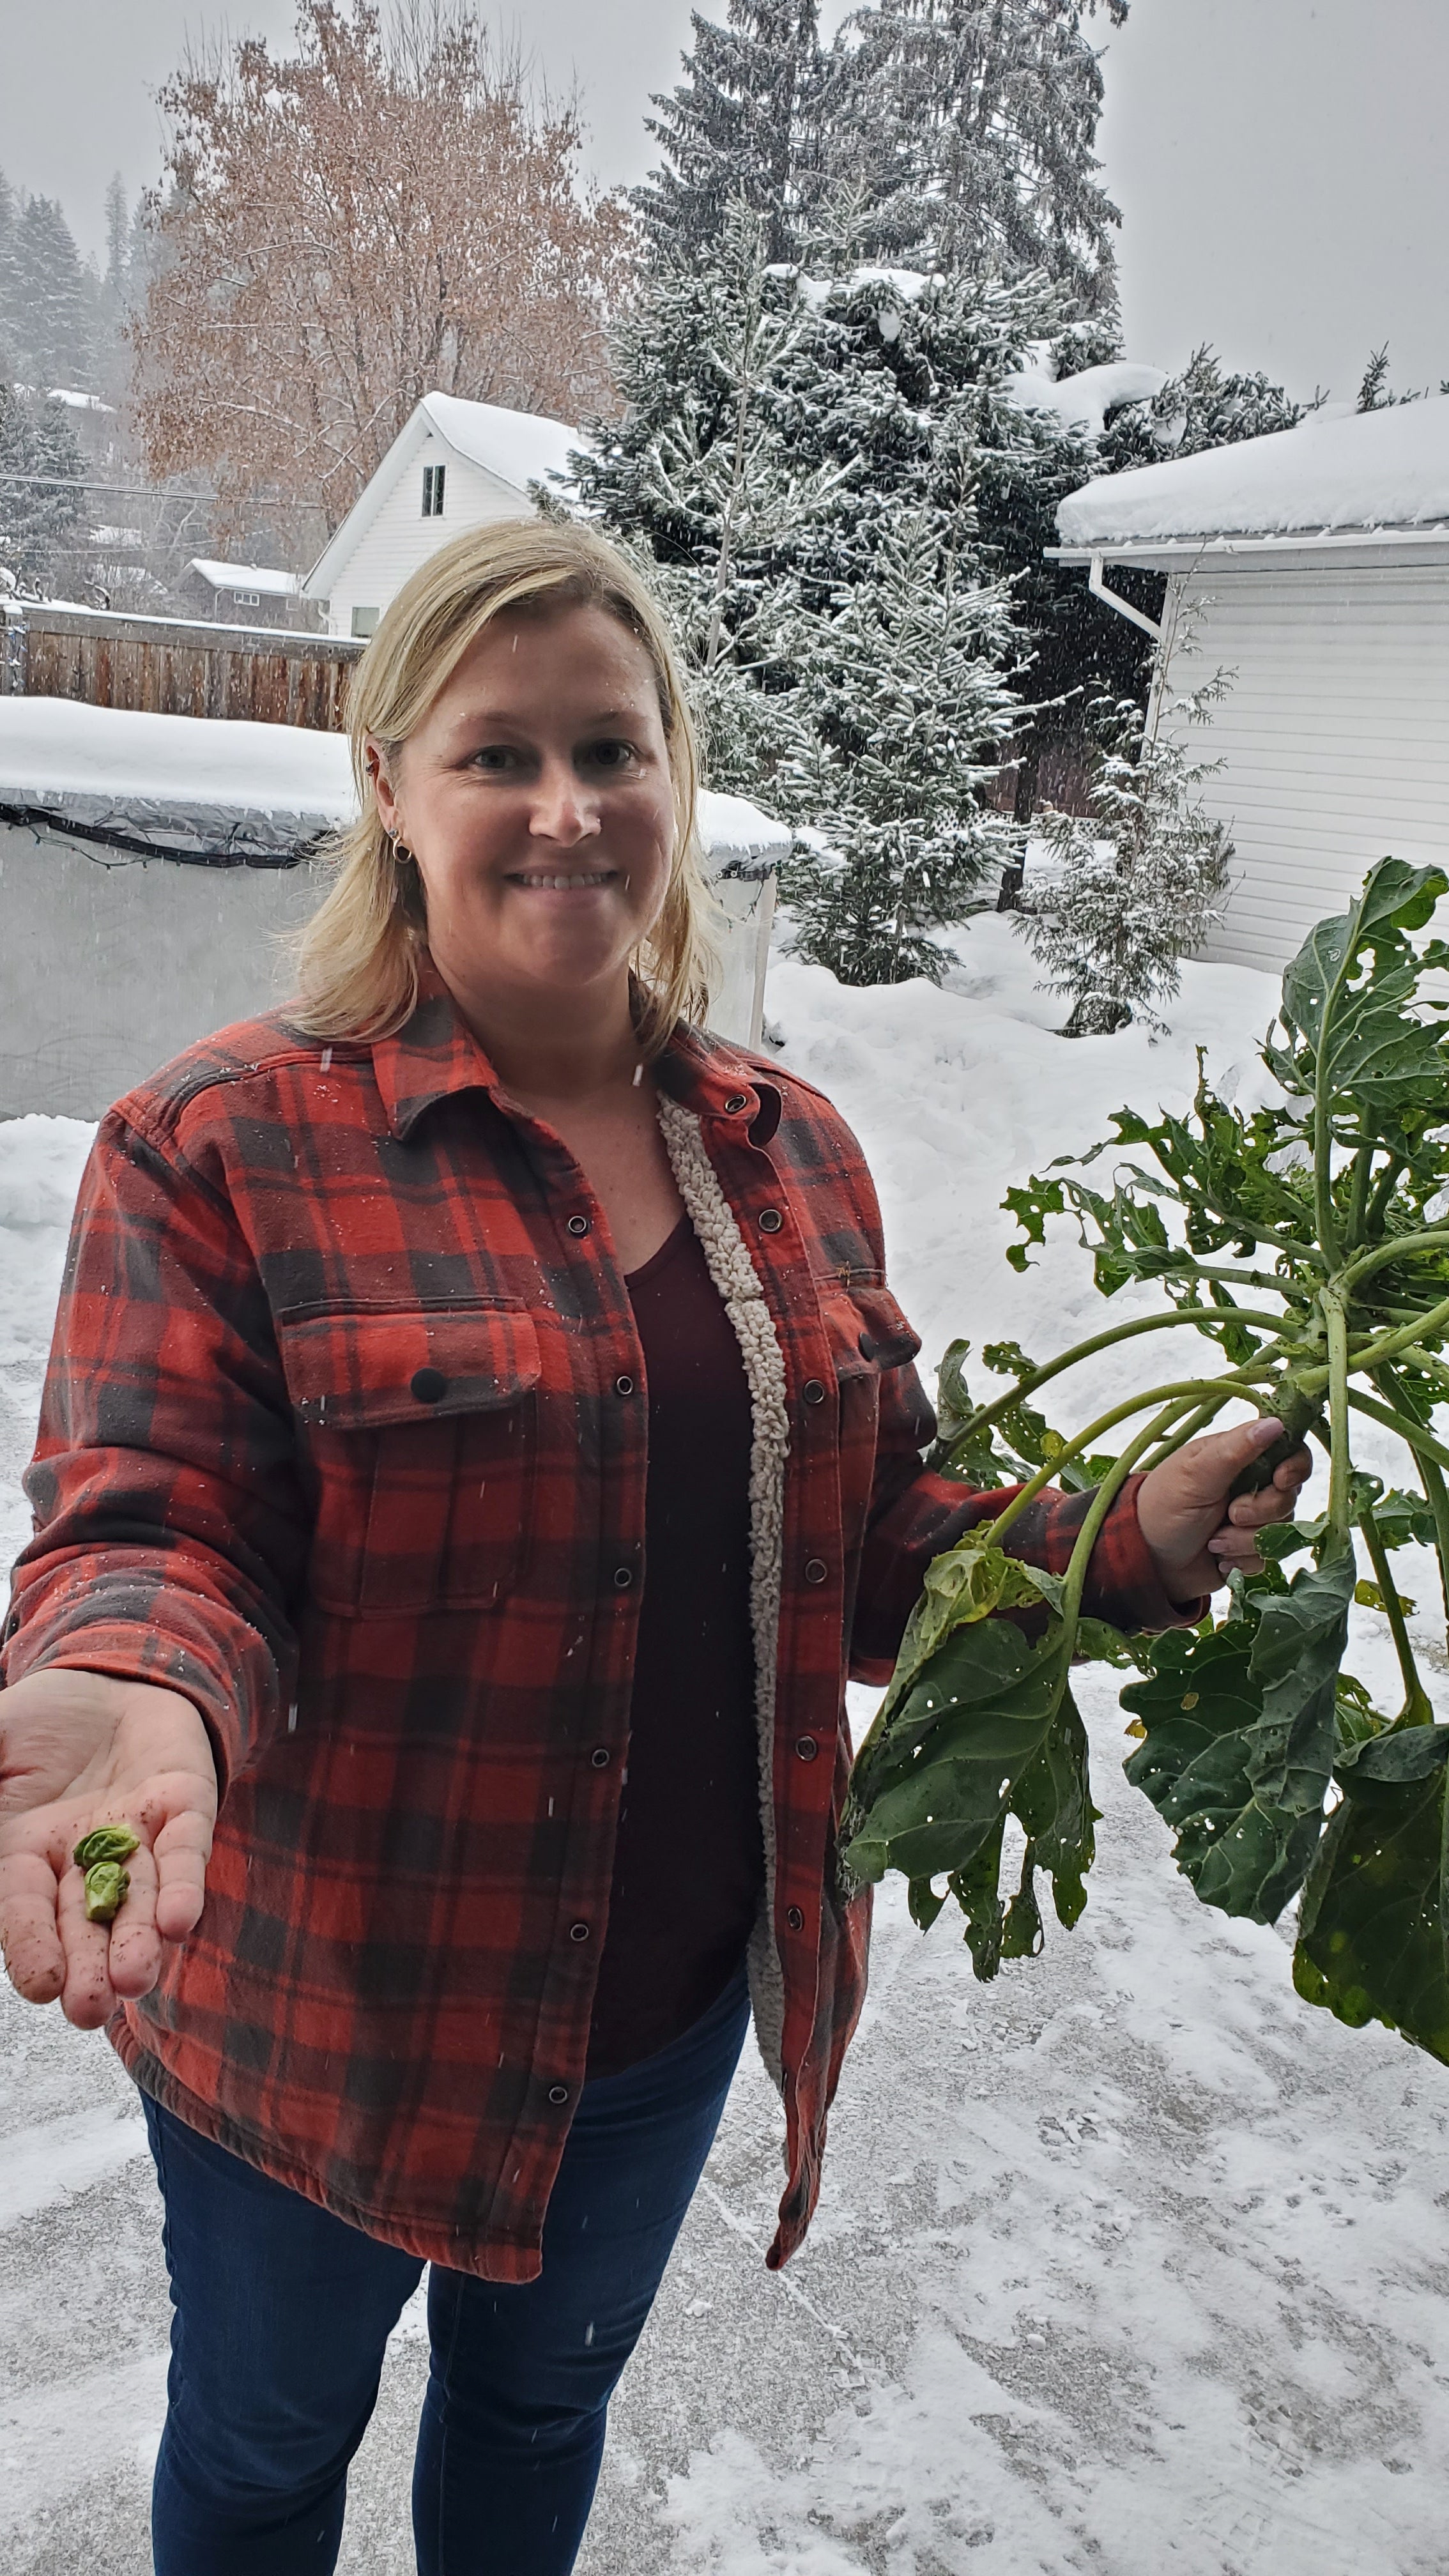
(544,1046)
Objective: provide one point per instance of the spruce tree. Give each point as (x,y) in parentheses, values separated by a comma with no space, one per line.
(1133,886)
(742,127)
(42,509)
(900,709)
(970,127)
(50,320)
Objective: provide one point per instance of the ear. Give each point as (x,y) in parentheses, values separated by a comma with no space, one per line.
(382,787)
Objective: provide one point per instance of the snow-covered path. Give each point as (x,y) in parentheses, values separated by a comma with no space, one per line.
(1127,2263)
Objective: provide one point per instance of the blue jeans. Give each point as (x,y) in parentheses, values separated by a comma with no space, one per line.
(283,2313)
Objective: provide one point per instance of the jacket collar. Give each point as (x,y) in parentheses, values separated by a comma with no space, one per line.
(435,1054)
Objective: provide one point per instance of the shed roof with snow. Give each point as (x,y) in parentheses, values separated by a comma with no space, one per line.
(1338,479)
(1311,567)
(453,465)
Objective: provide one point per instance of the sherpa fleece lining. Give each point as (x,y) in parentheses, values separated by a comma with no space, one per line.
(736,1279)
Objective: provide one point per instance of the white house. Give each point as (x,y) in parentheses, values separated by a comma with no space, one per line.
(1313,567)
(453,465)
(241,594)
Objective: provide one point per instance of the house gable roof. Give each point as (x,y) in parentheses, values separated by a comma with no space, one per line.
(1334,477)
(515,447)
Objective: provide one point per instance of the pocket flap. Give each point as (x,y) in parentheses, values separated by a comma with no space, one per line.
(868,1330)
(357,1368)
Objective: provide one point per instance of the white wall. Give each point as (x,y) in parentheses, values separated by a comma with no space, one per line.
(1334,736)
(110,966)
(400,538)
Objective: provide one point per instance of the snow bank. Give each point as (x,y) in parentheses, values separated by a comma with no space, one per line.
(1378,469)
(1084,400)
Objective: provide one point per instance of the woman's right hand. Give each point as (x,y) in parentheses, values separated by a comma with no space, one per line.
(78,1750)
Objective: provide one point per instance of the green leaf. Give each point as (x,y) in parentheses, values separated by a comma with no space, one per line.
(977,1890)
(1296,1652)
(1390,1758)
(1371,1941)
(1201,1711)
(940,1779)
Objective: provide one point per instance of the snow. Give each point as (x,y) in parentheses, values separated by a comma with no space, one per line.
(1084,400)
(1379,469)
(1127,2264)
(520,447)
(108,764)
(233,576)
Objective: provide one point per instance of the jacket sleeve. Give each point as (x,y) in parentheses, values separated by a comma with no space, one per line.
(171,1531)
(915,1515)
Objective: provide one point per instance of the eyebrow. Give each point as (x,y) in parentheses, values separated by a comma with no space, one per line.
(501,716)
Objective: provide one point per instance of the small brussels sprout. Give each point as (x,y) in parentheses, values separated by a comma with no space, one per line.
(106,1842)
(107,1888)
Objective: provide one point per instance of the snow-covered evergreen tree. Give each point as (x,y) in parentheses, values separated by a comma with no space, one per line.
(743,127)
(970,126)
(49,317)
(41,507)
(900,711)
(1130,889)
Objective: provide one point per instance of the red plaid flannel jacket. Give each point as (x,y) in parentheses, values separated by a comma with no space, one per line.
(344,1438)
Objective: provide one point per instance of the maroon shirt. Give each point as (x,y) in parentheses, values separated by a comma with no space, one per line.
(689,1864)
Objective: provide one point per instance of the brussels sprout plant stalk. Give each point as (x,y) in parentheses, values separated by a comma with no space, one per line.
(1278,1776)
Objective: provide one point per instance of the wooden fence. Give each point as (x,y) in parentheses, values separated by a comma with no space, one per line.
(175,666)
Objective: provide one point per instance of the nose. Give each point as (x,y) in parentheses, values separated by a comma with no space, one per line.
(563,809)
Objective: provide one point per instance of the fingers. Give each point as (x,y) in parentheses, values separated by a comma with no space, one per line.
(87,1995)
(1275,1502)
(29,1938)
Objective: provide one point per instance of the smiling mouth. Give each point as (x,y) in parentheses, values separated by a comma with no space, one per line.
(538,880)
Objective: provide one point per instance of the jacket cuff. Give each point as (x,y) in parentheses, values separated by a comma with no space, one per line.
(225,1669)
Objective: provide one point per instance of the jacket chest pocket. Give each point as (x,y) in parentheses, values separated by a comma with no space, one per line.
(868,1334)
(421,1428)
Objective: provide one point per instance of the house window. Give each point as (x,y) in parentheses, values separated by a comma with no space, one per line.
(433,491)
(247,598)
(364,621)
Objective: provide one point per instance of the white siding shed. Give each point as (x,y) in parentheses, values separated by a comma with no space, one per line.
(454,465)
(1312,566)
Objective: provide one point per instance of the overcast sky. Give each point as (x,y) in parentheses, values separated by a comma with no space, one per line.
(1280,164)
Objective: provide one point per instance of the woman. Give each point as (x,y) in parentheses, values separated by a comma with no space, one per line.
(405,1333)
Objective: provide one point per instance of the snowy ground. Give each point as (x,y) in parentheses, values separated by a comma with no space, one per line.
(1129,2263)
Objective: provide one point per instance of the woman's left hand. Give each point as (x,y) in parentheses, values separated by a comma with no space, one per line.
(1195,1534)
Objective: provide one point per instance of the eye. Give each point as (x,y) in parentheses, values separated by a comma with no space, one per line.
(493,756)
(611,754)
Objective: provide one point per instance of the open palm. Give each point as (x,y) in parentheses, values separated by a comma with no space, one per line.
(79,1750)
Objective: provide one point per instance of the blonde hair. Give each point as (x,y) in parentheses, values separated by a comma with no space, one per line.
(357,958)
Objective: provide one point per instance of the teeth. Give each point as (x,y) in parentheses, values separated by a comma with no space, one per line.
(562,885)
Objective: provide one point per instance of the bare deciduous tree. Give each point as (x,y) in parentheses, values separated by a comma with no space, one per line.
(392,210)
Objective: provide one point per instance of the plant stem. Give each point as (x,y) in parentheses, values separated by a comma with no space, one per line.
(1413,1434)
(1339,1533)
(1388,1182)
(1195,1390)
(1430,1460)
(986,1414)
(1428,1239)
(1363,1164)
(1087,1537)
(1418,1708)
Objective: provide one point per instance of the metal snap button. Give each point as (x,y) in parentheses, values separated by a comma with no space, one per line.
(623,1386)
(623,1577)
(813,1391)
(806,1747)
(601,1757)
(816,1569)
(795,1918)
(737,1100)
(770,1220)
(558,2093)
(578,1931)
(578,1225)
(429,1385)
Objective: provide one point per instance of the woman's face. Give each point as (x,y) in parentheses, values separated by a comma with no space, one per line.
(537,802)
